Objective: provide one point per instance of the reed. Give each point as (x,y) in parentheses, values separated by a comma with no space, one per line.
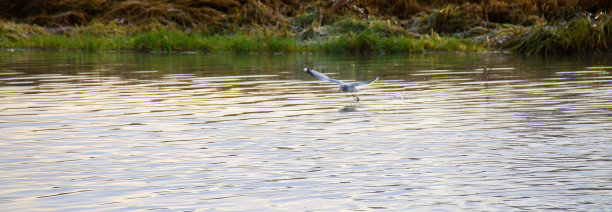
(584,33)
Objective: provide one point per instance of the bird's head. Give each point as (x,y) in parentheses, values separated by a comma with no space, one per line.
(344,87)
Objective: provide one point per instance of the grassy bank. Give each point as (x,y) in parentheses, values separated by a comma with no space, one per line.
(527,27)
(162,38)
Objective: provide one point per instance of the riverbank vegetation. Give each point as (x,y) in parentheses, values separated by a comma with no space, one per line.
(528,27)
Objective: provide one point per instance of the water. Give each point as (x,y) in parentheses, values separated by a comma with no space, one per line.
(188,132)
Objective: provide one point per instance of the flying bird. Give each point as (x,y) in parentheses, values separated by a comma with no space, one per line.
(344,87)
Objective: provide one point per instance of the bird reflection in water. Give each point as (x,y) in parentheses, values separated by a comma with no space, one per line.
(349,108)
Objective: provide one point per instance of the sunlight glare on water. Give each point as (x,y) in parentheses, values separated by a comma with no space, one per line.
(189,132)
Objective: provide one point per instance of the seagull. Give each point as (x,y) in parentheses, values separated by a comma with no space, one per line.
(352,87)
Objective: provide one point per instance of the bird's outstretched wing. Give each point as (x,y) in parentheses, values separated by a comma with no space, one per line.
(321,76)
(356,84)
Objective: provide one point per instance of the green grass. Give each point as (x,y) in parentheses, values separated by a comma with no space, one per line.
(166,39)
(368,41)
(345,35)
(71,42)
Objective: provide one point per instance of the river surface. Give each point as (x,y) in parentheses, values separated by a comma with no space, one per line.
(220,132)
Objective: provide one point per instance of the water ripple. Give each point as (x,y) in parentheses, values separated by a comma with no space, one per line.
(506,134)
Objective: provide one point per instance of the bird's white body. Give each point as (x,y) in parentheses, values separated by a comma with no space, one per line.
(344,87)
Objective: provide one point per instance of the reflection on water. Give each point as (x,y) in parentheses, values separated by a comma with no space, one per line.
(350,108)
(477,132)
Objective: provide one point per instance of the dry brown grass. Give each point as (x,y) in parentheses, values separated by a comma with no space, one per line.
(228,14)
(187,13)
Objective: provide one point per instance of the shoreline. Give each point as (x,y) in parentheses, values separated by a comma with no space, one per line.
(164,38)
(320,27)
